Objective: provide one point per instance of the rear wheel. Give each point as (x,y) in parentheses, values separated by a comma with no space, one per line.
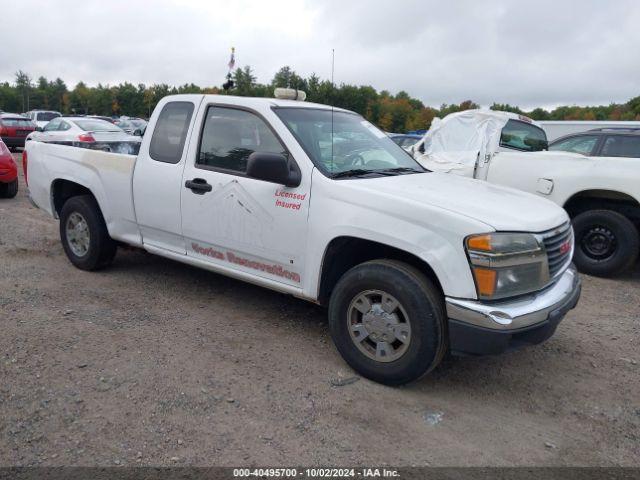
(84,234)
(607,243)
(388,322)
(9,190)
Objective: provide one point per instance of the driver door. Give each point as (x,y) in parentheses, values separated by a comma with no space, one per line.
(231,220)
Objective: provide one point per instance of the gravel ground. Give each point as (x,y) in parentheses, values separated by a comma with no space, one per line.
(151,362)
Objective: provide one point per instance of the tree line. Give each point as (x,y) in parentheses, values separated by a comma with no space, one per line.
(394,113)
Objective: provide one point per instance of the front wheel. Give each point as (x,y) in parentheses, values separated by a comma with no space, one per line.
(607,243)
(84,234)
(388,321)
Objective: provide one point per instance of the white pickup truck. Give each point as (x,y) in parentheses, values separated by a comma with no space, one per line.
(600,194)
(318,203)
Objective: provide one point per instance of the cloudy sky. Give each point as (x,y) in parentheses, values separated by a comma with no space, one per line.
(543,52)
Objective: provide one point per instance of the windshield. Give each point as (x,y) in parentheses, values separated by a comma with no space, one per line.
(357,146)
(96,125)
(523,136)
(46,116)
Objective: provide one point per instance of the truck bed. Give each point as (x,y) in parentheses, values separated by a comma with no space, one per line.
(108,176)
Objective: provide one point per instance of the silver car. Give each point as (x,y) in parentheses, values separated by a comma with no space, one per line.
(87,132)
(133,126)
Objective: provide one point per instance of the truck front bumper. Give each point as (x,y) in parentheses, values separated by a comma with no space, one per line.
(483,328)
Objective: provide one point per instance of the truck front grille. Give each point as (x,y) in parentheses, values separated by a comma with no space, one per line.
(559,246)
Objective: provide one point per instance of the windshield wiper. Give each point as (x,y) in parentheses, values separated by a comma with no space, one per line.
(402,169)
(356,172)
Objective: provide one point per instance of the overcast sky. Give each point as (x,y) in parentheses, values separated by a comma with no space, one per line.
(528,53)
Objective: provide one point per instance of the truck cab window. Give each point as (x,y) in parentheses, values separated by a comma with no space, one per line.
(523,136)
(170,132)
(230,136)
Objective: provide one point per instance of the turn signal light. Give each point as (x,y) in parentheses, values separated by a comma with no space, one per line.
(479,242)
(485,281)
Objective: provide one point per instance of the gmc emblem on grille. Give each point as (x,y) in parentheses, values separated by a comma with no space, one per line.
(565,247)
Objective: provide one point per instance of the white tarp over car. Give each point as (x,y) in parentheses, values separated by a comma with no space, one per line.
(453,144)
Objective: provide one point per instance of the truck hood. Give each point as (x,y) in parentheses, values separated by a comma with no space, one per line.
(503,208)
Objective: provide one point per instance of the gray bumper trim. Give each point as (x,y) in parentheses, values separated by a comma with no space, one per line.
(514,314)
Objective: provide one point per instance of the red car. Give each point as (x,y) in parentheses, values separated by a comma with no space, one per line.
(8,173)
(14,128)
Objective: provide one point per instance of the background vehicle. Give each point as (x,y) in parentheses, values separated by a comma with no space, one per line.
(87,132)
(560,128)
(410,263)
(14,129)
(42,117)
(8,173)
(103,117)
(406,141)
(602,195)
(602,142)
(133,126)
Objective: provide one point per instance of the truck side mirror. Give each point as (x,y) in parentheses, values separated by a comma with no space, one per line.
(273,167)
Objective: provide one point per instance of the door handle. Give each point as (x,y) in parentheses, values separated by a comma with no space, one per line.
(199,186)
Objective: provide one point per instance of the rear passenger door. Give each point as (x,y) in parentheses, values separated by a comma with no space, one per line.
(157,178)
(621,146)
(235,222)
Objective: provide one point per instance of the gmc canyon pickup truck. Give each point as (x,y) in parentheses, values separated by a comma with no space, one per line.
(600,194)
(316,202)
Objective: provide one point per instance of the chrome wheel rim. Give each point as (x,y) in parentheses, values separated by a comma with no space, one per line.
(77,232)
(379,325)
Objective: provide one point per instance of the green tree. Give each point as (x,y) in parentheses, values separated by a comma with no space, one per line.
(24,86)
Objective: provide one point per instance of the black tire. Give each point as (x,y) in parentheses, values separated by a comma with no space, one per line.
(102,248)
(607,243)
(419,298)
(9,190)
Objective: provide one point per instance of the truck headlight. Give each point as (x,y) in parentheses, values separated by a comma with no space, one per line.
(507,264)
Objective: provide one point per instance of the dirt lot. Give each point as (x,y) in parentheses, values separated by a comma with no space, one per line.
(155,363)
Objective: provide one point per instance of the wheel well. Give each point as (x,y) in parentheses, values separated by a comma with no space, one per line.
(344,253)
(63,190)
(603,200)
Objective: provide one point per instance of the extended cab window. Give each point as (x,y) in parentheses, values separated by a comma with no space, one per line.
(583,144)
(170,132)
(621,146)
(523,136)
(230,136)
